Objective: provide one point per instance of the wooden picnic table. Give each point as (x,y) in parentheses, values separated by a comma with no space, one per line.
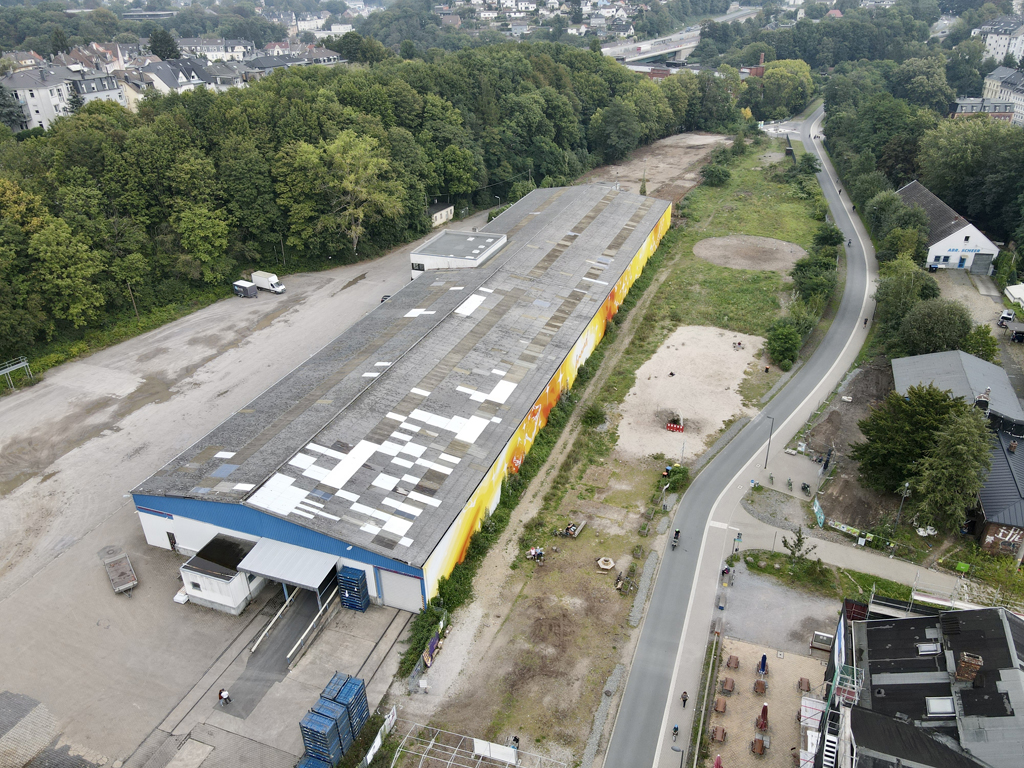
(733,662)
(720,705)
(728,685)
(757,746)
(760,686)
(804,685)
(718,733)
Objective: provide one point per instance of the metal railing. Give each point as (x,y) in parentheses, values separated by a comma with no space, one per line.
(312,625)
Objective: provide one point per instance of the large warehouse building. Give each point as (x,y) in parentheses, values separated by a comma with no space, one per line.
(386,450)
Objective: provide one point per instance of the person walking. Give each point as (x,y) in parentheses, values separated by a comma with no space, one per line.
(224,696)
(684,698)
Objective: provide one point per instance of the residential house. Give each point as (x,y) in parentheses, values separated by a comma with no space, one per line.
(1002,36)
(44,93)
(1000,523)
(598,24)
(222,75)
(311,22)
(24,59)
(136,85)
(953,242)
(621,28)
(997,109)
(486,15)
(176,75)
(451,20)
(216,49)
(267,64)
(148,15)
(835,13)
(1006,84)
(519,30)
(579,30)
(336,30)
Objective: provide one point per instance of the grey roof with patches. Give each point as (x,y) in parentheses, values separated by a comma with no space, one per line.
(943,221)
(381,438)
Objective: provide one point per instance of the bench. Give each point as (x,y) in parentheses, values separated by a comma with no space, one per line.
(760,686)
(733,662)
(728,685)
(579,529)
(757,746)
(718,733)
(804,685)
(720,705)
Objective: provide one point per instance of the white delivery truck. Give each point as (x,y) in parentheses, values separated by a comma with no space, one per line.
(267,281)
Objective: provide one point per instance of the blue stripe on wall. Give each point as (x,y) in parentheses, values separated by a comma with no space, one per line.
(237,517)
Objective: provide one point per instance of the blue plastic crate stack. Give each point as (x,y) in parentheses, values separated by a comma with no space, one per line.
(320,737)
(352,587)
(339,714)
(353,697)
(333,688)
(312,762)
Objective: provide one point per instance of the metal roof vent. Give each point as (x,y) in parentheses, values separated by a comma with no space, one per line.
(880,693)
(929,649)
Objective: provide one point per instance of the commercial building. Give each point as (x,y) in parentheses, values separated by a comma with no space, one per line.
(386,450)
(931,690)
(953,242)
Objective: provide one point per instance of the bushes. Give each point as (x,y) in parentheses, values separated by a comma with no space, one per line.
(784,343)
(815,275)
(715,175)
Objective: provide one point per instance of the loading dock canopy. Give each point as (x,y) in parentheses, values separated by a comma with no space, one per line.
(288,564)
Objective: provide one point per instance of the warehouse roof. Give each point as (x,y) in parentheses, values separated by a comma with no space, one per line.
(381,438)
(943,221)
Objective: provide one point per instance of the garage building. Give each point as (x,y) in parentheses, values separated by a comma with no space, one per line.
(387,449)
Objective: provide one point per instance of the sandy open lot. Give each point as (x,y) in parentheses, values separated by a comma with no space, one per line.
(672,166)
(748,252)
(695,376)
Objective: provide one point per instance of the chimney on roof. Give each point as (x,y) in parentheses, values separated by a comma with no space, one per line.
(982,401)
(761,62)
(967,667)
(42,73)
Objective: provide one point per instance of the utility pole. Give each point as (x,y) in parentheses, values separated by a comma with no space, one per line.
(132,295)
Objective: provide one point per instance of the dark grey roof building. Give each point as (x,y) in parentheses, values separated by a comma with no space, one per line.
(963,375)
(943,221)
(933,691)
(386,450)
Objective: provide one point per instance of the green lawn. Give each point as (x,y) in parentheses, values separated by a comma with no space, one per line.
(811,575)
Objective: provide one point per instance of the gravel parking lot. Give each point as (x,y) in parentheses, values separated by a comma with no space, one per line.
(110,669)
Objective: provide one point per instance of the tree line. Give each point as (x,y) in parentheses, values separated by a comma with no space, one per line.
(111,212)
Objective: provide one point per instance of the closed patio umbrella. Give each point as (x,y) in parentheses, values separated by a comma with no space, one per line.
(762,721)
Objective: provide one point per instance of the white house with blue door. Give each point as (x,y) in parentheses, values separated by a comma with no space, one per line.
(953,242)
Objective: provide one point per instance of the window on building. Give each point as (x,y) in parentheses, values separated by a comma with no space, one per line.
(31,94)
(51,91)
(967,238)
(945,259)
(418,267)
(938,258)
(196,587)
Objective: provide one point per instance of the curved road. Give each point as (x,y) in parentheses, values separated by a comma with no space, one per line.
(641,733)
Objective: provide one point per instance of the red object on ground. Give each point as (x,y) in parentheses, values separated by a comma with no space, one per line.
(675,427)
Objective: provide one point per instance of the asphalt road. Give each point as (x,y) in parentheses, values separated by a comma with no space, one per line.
(641,733)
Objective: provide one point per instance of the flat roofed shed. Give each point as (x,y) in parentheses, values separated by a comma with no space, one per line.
(381,438)
(468,246)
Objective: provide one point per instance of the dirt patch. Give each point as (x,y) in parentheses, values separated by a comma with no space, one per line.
(669,166)
(844,498)
(749,252)
(693,377)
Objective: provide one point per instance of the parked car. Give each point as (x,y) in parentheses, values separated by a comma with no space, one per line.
(1008,316)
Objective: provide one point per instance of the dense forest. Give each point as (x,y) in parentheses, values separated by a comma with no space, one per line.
(338,163)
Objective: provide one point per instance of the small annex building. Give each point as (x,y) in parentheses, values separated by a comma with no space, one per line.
(1000,524)
(953,242)
(387,449)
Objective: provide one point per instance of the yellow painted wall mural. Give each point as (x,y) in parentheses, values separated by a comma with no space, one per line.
(452,548)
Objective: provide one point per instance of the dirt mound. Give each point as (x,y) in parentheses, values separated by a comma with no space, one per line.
(748,252)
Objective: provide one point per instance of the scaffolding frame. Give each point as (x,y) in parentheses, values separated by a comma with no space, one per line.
(436,749)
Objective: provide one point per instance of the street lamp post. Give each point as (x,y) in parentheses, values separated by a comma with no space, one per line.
(682,755)
(903,492)
(771,429)
(499,200)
